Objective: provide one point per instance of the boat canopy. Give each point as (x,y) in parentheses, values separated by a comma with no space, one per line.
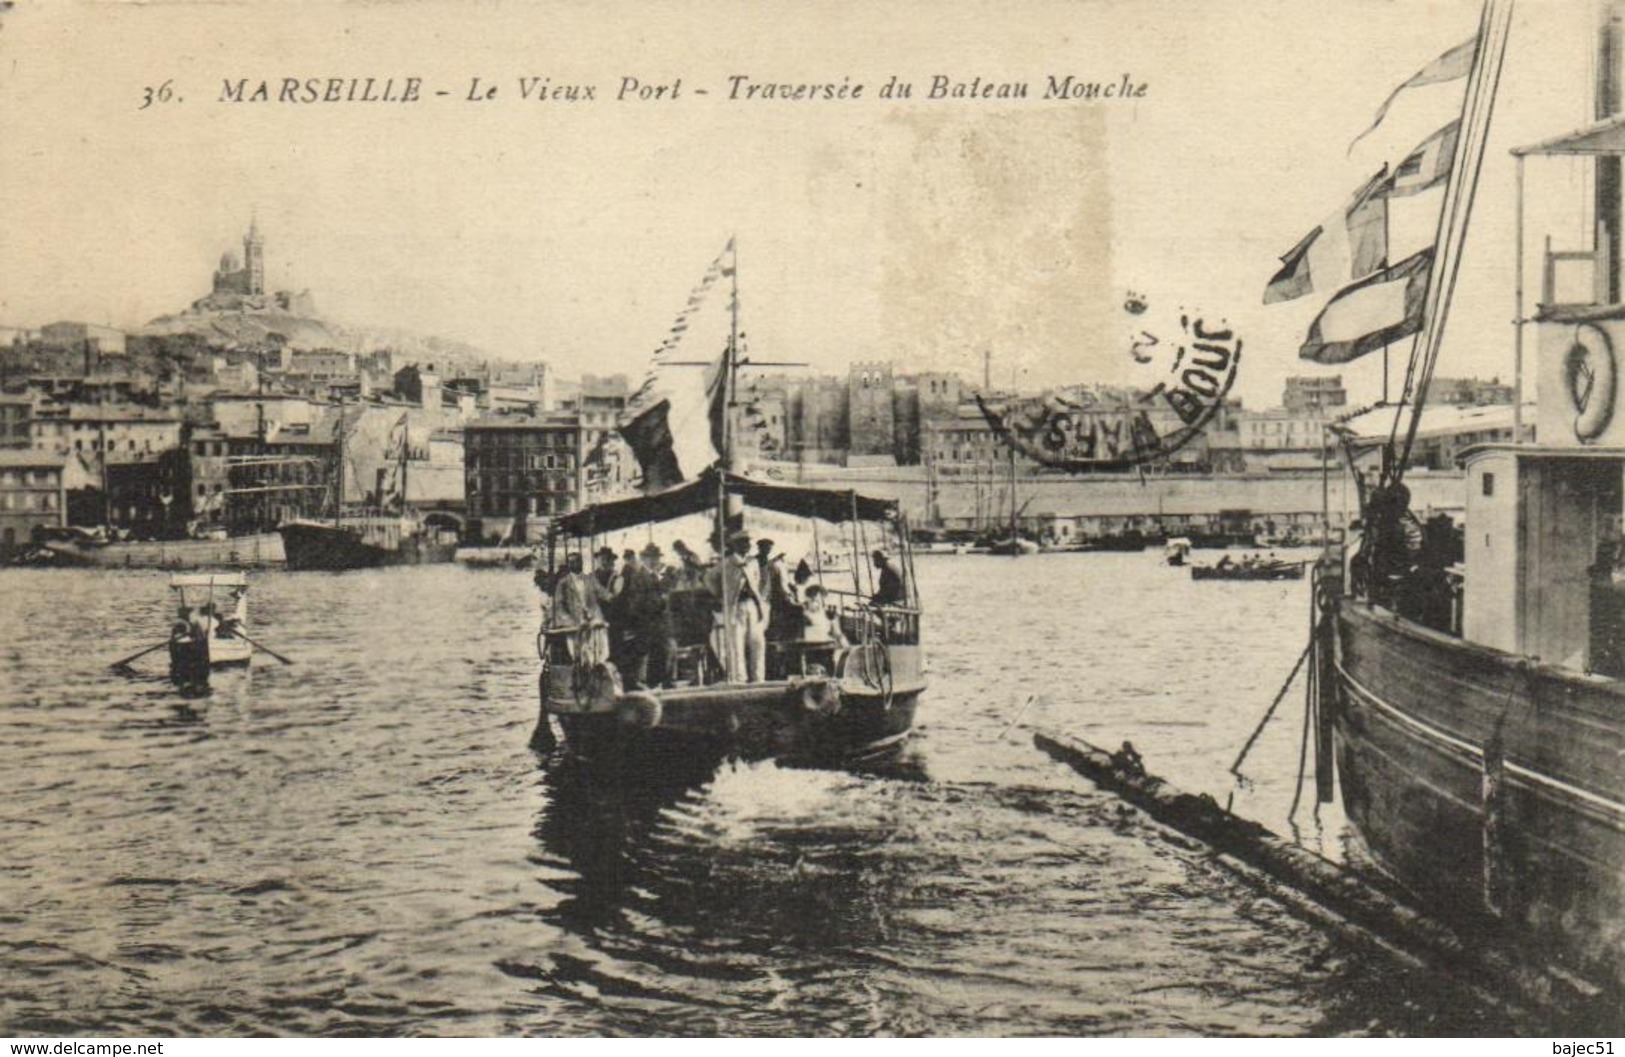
(1606,137)
(700,495)
(208,580)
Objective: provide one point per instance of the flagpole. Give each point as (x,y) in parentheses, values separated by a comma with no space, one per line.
(733,662)
(1518,320)
(731,361)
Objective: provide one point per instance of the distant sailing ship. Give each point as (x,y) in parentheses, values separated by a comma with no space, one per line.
(368,539)
(1475,692)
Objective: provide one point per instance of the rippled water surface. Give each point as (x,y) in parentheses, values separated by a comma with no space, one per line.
(362,842)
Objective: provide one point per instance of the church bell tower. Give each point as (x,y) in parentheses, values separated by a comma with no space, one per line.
(254,258)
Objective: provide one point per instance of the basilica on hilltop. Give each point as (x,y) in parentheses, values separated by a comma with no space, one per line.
(239,285)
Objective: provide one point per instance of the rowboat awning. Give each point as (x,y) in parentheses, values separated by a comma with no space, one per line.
(1605,137)
(700,495)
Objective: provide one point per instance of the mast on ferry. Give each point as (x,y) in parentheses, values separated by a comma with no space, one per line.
(1478,107)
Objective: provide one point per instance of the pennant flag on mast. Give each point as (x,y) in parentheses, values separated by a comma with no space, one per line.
(673,421)
(1351,244)
(1428,165)
(1453,65)
(1381,308)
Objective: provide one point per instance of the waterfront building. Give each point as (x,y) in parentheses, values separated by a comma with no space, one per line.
(118,432)
(281,474)
(519,466)
(1469,392)
(871,418)
(210,472)
(16,421)
(32,495)
(1313,394)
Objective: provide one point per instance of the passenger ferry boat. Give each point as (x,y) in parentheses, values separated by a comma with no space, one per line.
(1476,688)
(843,670)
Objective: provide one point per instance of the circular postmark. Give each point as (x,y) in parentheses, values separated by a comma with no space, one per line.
(1183,365)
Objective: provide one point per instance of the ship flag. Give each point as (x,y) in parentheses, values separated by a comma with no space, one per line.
(649,436)
(1453,65)
(1351,244)
(1365,316)
(671,422)
(1428,165)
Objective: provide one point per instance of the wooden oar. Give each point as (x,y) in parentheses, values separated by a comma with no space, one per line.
(239,633)
(143,653)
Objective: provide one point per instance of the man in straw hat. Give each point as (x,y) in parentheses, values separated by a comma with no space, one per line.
(739,635)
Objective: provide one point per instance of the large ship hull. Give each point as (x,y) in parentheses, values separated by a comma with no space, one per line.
(1490,786)
(336,548)
(255,551)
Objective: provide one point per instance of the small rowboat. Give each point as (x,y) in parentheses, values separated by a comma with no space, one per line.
(1242,571)
(211,625)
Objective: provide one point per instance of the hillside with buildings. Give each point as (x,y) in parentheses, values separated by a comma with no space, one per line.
(247,409)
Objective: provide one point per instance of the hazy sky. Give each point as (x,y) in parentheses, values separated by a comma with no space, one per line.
(922,231)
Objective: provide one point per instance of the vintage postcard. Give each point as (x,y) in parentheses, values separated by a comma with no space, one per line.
(1084,517)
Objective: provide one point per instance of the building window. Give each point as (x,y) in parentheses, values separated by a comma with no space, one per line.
(1489,484)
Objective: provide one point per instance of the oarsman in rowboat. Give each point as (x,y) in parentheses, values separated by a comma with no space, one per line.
(739,636)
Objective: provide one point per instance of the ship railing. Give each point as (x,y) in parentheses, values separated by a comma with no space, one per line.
(863,621)
(1575,277)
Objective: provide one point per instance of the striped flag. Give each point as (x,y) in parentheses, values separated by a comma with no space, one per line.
(1351,244)
(1381,308)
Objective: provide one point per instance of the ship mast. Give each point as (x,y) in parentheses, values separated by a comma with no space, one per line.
(730,355)
(1015,514)
(406,433)
(1477,109)
(338,466)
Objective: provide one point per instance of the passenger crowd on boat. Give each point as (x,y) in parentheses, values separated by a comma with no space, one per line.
(661,623)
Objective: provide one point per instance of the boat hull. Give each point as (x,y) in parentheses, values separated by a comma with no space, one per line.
(1012,548)
(333,548)
(261,549)
(1491,787)
(730,725)
(810,721)
(1293,571)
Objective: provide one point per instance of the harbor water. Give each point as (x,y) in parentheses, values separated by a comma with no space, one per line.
(362,843)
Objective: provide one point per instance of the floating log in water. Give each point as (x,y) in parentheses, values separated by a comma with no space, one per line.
(1362,902)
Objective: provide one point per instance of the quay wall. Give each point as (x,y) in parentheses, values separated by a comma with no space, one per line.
(960,500)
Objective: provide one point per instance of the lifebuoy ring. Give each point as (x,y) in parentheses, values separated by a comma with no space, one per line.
(1590,381)
(639,710)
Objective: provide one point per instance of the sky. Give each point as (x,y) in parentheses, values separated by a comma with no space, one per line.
(919,231)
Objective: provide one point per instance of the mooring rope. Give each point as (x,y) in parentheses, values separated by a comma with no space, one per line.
(1303,743)
(1235,768)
